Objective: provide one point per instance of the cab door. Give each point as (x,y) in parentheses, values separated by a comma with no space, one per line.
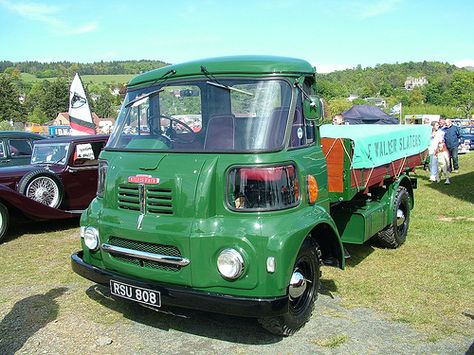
(305,149)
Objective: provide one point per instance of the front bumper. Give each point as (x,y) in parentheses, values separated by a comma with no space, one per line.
(186,297)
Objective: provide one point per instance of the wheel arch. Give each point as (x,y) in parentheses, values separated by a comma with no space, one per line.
(404,181)
(329,243)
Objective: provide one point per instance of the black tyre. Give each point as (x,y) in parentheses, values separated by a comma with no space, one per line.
(4,221)
(395,233)
(42,186)
(301,303)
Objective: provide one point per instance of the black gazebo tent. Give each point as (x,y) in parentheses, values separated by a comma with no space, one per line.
(363,114)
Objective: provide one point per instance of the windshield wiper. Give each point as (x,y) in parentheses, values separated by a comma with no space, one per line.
(142,97)
(164,77)
(218,84)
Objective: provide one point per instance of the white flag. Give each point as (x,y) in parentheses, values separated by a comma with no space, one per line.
(395,110)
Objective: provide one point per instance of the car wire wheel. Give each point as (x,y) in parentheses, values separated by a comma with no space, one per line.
(44,189)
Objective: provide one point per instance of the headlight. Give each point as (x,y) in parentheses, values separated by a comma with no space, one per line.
(91,238)
(230,264)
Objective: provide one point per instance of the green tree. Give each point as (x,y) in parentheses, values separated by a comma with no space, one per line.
(338,105)
(103,105)
(56,98)
(38,116)
(5,126)
(10,107)
(461,92)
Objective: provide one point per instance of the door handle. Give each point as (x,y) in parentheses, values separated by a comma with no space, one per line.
(5,161)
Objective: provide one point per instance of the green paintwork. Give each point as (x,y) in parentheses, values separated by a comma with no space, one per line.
(357,224)
(235,65)
(201,224)
(359,220)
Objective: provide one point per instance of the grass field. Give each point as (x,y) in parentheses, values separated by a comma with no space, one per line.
(97,79)
(428,282)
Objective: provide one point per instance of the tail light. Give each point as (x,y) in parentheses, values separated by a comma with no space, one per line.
(101,178)
(263,188)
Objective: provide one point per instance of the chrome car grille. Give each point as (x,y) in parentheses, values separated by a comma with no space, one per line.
(167,250)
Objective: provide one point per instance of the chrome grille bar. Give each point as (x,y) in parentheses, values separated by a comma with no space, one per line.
(160,258)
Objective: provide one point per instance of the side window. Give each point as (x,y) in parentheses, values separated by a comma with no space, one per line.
(302,130)
(87,153)
(19,147)
(2,151)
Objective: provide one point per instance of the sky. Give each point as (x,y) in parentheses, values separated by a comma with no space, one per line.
(331,35)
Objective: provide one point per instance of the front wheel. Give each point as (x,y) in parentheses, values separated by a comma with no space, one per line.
(302,291)
(4,221)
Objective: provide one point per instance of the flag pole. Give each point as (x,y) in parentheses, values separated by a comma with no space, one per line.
(400,113)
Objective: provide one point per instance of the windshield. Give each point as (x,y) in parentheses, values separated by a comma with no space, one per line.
(55,153)
(466,130)
(231,115)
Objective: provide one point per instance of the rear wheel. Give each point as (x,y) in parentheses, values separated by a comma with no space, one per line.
(303,291)
(395,234)
(4,221)
(42,186)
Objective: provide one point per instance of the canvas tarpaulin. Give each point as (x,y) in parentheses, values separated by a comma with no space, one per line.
(376,145)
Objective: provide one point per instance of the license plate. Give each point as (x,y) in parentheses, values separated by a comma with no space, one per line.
(138,294)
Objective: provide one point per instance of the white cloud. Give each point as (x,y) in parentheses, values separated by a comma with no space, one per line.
(464,63)
(49,15)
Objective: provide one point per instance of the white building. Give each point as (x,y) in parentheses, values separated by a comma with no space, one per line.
(412,82)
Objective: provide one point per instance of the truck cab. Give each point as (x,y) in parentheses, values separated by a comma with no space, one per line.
(213,193)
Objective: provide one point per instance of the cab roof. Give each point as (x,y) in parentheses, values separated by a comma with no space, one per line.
(248,65)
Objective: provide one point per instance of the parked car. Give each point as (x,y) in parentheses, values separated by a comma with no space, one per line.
(60,182)
(467,136)
(16,147)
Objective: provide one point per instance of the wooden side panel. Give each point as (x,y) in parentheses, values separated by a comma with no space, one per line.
(334,153)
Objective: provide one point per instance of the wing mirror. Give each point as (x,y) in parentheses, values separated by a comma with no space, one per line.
(313,108)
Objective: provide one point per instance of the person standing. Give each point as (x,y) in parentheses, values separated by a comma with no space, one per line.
(437,136)
(451,139)
(443,162)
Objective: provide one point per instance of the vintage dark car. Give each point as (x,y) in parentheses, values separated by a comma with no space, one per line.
(16,147)
(59,183)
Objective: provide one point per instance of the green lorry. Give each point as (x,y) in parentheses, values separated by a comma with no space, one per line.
(217,191)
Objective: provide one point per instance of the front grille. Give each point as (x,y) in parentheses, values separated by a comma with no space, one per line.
(168,250)
(158,200)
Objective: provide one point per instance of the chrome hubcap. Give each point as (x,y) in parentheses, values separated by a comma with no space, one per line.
(400,218)
(298,285)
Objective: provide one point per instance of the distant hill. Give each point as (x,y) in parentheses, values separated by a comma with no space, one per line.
(469,68)
(114,80)
(55,69)
(383,79)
